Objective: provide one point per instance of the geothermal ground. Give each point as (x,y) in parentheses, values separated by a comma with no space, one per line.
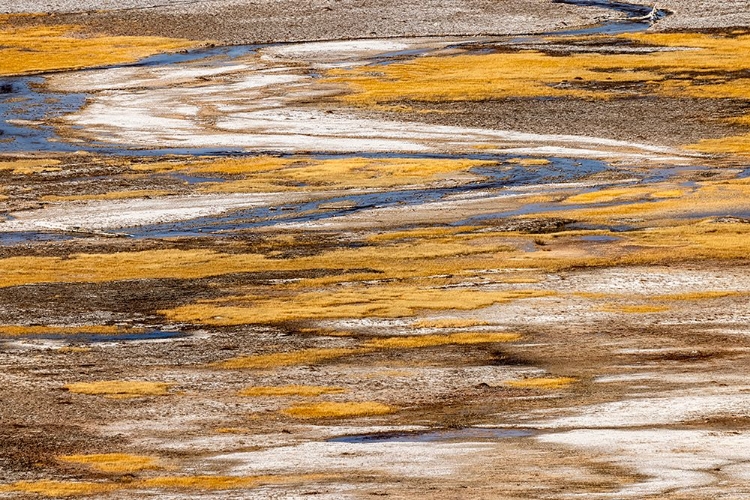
(347,249)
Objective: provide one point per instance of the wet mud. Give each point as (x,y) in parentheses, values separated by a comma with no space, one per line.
(272,272)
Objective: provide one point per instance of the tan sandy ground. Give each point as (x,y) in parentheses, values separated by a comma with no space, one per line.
(241,21)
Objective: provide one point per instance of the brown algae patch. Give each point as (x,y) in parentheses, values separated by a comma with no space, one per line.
(633,309)
(93,268)
(408,259)
(28,50)
(529,162)
(743,121)
(28,167)
(291,390)
(216,166)
(439,340)
(358,302)
(19,330)
(694,241)
(663,202)
(693,65)
(234,430)
(60,488)
(203,482)
(544,383)
(417,234)
(114,195)
(74,349)
(530,73)
(113,462)
(197,483)
(728,145)
(214,483)
(474,78)
(674,297)
(703,295)
(120,389)
(276,360)
(338,410)
(273,174)
(320,355)
(412,258)
(448,323)
(414,266)
(624,194)
(348,173)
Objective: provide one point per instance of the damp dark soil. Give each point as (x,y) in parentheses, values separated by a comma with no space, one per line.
(39,420)
(651,120)
(28,447)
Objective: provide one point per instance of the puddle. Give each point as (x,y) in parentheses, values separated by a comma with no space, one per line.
(666,173)
(530,209)
(629,9)
(299,213)
(539,208)
(10,239)
(24,111)
(496,178)
(611,28)
(398,56)
(439,436)
(636,18)
(600,238)
(502,176)
(559,170)
(220,54)
(195,179)
(621,228)
(96,338)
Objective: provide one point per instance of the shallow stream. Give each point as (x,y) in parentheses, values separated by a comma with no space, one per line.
(31,113)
